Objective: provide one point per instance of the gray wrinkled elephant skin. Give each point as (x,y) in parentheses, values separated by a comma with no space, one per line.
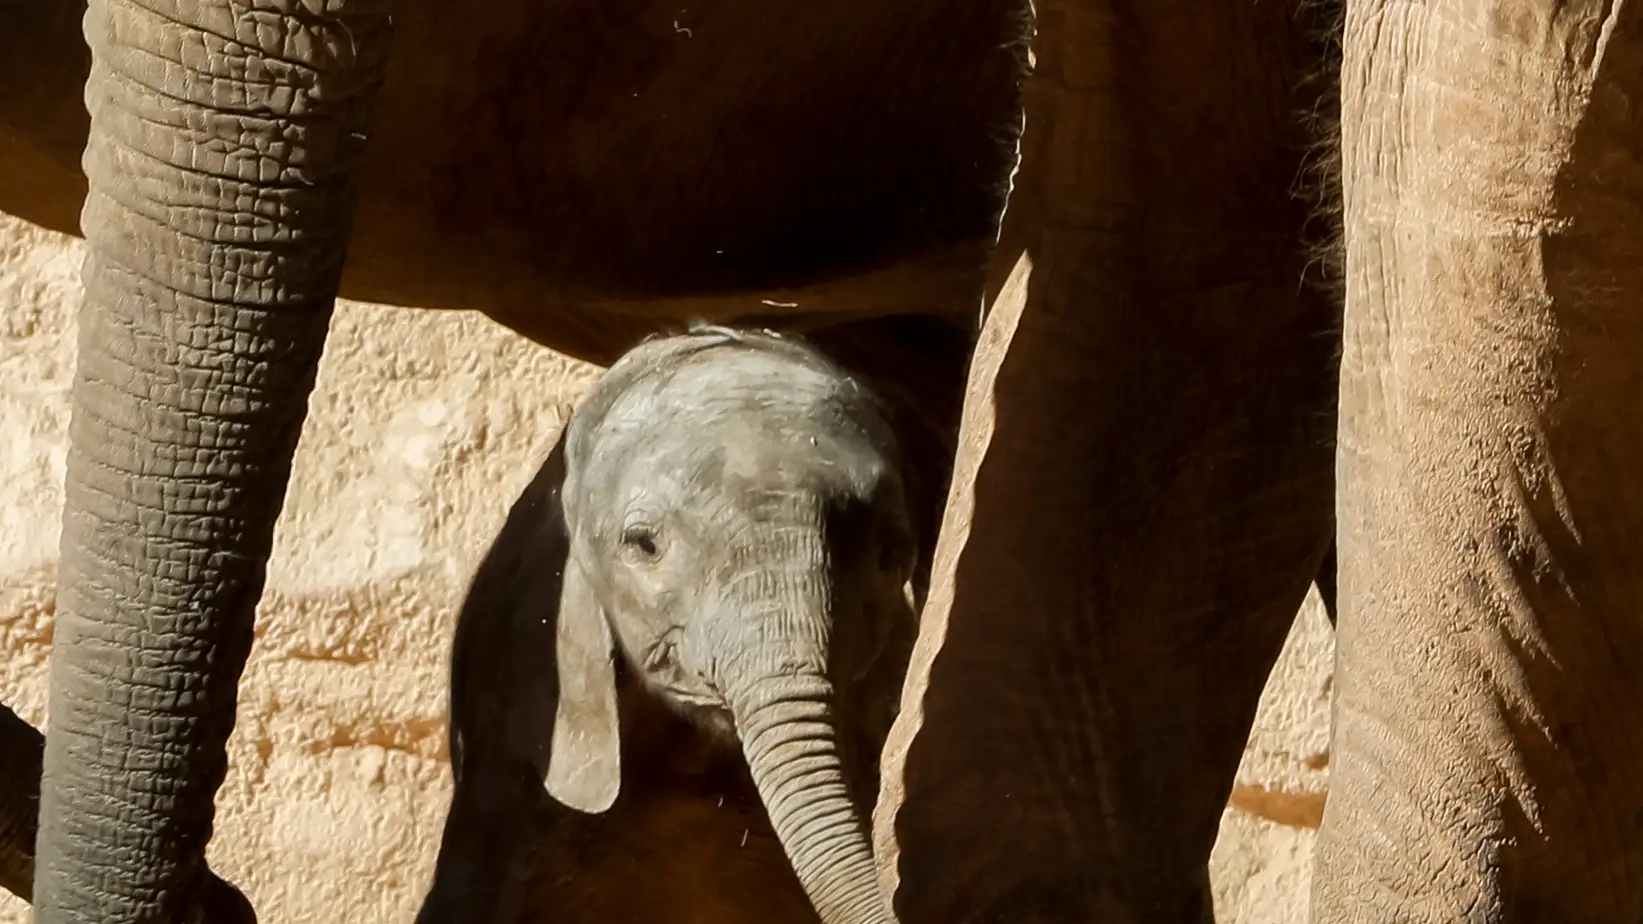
(724,517)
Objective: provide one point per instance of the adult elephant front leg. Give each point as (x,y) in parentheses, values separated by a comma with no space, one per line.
(1486,762)
(21,746)
(220,162)
(1144,491)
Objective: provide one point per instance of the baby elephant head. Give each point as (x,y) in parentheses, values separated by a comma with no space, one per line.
(738,531)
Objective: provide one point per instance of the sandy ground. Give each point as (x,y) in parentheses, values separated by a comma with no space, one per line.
(424,428)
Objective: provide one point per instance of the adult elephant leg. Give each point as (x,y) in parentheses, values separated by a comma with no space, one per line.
(1486,761)
(21,747)
(220,163)
(1143,494)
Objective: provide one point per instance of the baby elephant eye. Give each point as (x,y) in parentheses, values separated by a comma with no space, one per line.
(642,540)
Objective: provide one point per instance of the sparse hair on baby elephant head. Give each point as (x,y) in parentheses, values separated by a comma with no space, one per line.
(727,514)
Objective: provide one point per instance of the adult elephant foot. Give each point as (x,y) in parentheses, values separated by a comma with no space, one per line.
(215,224)
(1148,441)
(21,746)
(1486,762)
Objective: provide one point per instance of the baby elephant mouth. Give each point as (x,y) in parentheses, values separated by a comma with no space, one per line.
(692,694)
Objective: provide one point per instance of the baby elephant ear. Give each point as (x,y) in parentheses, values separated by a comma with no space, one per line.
(585,764)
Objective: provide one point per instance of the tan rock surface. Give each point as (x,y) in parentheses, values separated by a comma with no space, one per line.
(424,428)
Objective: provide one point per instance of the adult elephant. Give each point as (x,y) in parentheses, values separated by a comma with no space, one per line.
(1121,567)
(1146,484)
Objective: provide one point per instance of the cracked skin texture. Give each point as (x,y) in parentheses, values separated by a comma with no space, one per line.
(421,436)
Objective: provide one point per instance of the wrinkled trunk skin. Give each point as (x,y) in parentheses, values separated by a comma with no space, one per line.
(788,731)
(20,749)
(1486,761)
(215,223)
(1143,494)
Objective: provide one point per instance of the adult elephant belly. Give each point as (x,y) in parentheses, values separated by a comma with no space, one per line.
(552,162)
(581,170)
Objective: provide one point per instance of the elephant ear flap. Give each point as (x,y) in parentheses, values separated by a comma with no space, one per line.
(584,762)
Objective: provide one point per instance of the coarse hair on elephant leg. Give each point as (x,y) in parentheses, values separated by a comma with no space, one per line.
(1318,183)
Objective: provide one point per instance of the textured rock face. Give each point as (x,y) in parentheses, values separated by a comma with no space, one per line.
(1262,864)
(424,427)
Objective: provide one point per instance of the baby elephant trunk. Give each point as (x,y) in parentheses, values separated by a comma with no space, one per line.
(786,725)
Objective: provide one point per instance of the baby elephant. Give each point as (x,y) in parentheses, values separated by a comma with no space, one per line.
(723,528)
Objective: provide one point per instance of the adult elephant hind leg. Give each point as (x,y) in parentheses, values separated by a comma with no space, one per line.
(220,159)
(1486,763)
(1143,493)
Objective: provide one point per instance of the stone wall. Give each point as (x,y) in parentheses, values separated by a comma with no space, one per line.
(424,428)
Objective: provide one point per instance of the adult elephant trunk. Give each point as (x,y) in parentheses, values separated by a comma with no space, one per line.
(788,732)
(220,164)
